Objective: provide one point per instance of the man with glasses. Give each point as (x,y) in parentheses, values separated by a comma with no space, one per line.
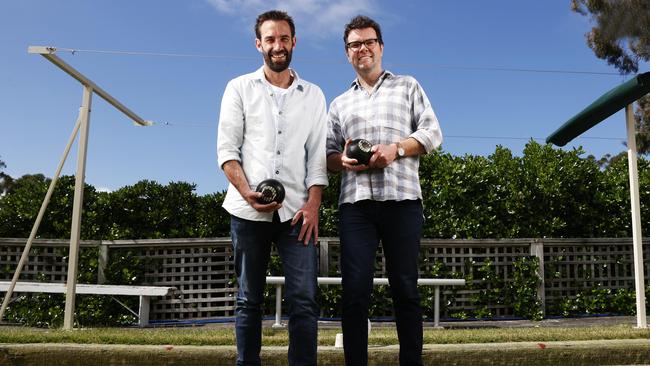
(381,200)
(273,124)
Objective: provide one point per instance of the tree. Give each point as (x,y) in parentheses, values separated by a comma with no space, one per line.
(642,121)
(5,180)
(621,36)
(622,32)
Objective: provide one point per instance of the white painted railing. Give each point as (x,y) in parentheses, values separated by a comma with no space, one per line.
(436,282)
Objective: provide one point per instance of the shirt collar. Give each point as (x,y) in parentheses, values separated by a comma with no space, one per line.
(297,81)
(385,74)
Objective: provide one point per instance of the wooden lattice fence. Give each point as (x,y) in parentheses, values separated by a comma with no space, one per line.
(203,272)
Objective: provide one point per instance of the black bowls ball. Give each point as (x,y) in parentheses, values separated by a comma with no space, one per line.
(272,191)
(359,149)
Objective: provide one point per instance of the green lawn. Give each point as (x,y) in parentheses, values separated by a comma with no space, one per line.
(204,336)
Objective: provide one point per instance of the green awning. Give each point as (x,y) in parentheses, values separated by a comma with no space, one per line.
(610,103)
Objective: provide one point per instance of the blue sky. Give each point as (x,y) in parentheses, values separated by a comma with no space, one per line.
(451,47)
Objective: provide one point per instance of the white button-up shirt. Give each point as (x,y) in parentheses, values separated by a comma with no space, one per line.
(285,142)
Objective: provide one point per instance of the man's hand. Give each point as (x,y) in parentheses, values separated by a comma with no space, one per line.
(236,176)
(309,215)
(252,198)
(351,164)
(383,155)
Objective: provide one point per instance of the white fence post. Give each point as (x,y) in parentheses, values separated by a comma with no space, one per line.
(102,263)
(537,250)
(324,258)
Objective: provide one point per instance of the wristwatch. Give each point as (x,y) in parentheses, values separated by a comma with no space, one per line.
(400,150)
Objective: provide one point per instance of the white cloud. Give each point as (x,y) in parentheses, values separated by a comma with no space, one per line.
(234,6)
(314,18)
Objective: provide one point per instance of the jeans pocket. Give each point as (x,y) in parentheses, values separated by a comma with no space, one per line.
(294,231)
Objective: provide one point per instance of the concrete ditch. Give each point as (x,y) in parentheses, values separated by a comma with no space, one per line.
(601,352)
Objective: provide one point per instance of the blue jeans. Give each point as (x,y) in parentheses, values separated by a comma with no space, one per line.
(252,245)
(398,224)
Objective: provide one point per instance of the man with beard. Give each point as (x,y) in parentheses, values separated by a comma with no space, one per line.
(273,125)
(381,200)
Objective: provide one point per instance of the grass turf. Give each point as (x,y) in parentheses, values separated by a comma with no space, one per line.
(207,336)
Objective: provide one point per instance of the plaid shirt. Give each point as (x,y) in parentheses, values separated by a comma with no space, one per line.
(395,109)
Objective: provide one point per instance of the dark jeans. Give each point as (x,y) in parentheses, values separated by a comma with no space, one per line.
(252,245)
(398,224)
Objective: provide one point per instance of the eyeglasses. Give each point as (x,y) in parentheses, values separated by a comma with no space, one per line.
(356,45)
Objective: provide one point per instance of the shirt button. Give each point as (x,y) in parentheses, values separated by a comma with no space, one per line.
(279,132)
(280,112)
(278,152)
(277,172)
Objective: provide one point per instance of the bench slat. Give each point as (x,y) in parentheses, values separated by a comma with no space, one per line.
(278,280)
(89,289)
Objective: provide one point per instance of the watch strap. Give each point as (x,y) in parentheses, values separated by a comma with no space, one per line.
(400,150)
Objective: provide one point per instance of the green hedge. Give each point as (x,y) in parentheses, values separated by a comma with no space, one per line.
(545,192)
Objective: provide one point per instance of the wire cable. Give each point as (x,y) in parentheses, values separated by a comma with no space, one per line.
(74,51)
(528,138)
(487,68)
(191,124)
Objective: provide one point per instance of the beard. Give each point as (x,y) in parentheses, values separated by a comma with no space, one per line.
(280,65)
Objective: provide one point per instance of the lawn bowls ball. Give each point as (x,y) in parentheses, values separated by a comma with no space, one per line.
(361,150)
(272,191)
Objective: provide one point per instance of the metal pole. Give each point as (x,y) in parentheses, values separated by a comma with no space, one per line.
(75,230)
(636,218)
(278,306)
(83,124)
(48,53)
(436,307)
(37,223)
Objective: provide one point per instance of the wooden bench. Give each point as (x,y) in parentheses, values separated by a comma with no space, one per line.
(144,292)
(436,282)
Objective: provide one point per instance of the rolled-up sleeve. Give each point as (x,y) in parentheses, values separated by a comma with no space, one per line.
(427,129)
(315,145)
(231,126)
